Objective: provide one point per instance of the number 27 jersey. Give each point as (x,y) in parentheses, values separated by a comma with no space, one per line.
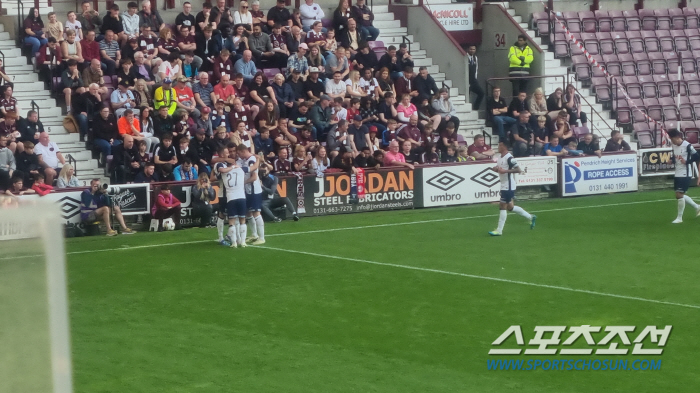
(234,181)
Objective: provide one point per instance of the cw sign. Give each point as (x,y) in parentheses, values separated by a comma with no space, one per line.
(657,336)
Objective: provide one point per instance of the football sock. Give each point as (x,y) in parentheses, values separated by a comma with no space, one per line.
(690,201)
(220,228)
(252,228)
(232,233)
(681,207)
(521,212)
(502,220)
(243,230)
(236,232)
(260,226)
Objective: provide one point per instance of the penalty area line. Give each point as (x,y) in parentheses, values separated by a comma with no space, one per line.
(475,276)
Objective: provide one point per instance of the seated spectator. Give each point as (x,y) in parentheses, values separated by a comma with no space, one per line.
(563,131)
(182,127)
(236,43)
(142,71)
(130,50)
(110,53)
(321,117)
(370,116)
(279,41)
(91,49)
(71,82)
(538,106)
(344,162)
(390,133)
(166,206)
(352,38)
(185,171)
(263,144)
(49,156)
(8,165)
(331,44)
(150,17)
(427,115)
(148,174)
(204,121)
(394,158)
(89,19)
(27,162)
(142,96)
(366,60)
(224,91)
(73,24)
(185,97)
(299,62)
(105,133)
(167,43)
(335,87)
(463,154)
(112,21)
(93,74)
(572,150)
(390,61)
(425,85)
(521,132)
(122,99)
(341,15)
(50,61)
(144,156)
(337,139)
(572,102)
(222,65)
(337,61)
(589,146)
(284,95)
(358,136)
(165,96)
(370,85)
(448,137)
(443,106)
(361,159)
(34,32)
(313,86)
(553,148)
(240,113)
(40,187)
(165,157)
(163,123)
(450,154)
(354,90)
(245,66)
(497,110)
(405,59)
(616,142)
(126,162)
(271,197)
(71,49)
(219,117)
(269,116)
(8,128)
(405,110)
(17,188)
(259,17)
(410,132)
(307,140)
(130,20)
(316,36)
(555,103)
(339,112)
(95,205)
(204,92)
(295,39)
(124,74)
(8,103)
(243,17)
(30,127)
(261,48)
(129,125)
(282,165)
(364,17)
(541,135)
(170,68)
(405,84)
(203,194)
(430,155)
(409,153)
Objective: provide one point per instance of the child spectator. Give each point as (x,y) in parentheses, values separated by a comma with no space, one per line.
(390,133)
(17,188)
(449,155)
(430,156)
(28,162)
(463,154)
(39,186)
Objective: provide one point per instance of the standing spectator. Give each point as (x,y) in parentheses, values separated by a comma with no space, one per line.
(34,31)
(186,19)
(443,106)
(123,99)
(54,28)
(520,57)
(341,16)
(203,195)
(364,17)
(166,206)
(130,20)
(113,22)
(616,142)
(66,178)
(279,15)
(73,24)
(50,156)
(497,110)
(71,82)
(521,132)
(105,133)
(149,17)
(95,205)
(572,101)
(89,19)
(126,161)
(321,117)
(110,53)
(310,14)
(474,86)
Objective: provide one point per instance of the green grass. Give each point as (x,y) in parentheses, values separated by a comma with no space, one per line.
(199,317)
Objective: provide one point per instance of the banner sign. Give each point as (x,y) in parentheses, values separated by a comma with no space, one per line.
(537,171)
(592,175)
(460,184)
(454,17)
(131,198)
(69,205)
(656,162)
(384,190)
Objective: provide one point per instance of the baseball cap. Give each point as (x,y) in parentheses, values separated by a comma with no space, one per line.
(314,69)
(325,97)
(167,80)
(373,129)
(357,118)
(296,71)
(206,109)
(304,46)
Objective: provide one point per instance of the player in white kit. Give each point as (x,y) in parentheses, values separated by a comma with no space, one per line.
(253,194)
(684,156)
(225,157)
(234,180)
(507,167)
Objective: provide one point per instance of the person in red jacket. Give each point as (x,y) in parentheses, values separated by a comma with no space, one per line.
(166,206)
(40,187)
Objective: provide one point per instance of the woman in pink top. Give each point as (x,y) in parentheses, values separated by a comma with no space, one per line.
(405,109)
(394,158)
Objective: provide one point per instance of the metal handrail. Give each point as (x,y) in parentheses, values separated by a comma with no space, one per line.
(73,162)
(592,111)
(405,40)
(20,13)
(35,107)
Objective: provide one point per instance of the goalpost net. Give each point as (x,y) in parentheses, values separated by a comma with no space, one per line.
(34,336)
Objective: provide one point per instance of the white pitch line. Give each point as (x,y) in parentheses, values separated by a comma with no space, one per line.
(503,280)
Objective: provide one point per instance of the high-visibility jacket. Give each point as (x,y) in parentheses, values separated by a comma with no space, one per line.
(520,67)
(166,98)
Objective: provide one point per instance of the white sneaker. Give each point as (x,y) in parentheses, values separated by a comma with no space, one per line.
(251,239)
(697,212)
(243,245)
(677,221)
(258,242)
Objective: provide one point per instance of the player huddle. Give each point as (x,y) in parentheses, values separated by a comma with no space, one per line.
(240,197)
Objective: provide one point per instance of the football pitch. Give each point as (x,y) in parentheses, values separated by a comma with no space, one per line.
(399,301)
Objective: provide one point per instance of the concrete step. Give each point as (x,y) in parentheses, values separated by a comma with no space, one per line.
(12,51)
(16,60)
(386,24)
(64,139)
(50,112)
(380,9)
(44,103)
(23,78)
(383,16)
(31,91)
(393,31)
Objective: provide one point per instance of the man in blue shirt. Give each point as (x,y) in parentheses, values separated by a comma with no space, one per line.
(246,66)
(553,148)
(95,206)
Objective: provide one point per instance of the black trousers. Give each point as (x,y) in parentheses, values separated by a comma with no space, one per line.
(475,88)
(274,203)
(205,212)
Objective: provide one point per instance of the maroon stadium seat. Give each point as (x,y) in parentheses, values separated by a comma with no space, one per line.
(654,109)
(628,65)
(622,44)
(672,62)
(636,42)
(581,68)
(680,40)
(658,63)
(607,45)
(648,86)
(541,21)
(605,22)
(693,38)
(638,117)
(624,113)
(644,136)
(648,19)
(691,18)
(688,62)
(687,125)
(561,45)
(590,41)
(602,89)
(693,137)
(679,86)
(613,65)
(632,20)
(580,132)
(651,42)
(574,49)
(643,63)
(595,71)
(665,40)
(572,21)
(663,86)
(686,109)
(677,18)
(693,84)
(588,22)
(633,87)
(663,19)
(669,109)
